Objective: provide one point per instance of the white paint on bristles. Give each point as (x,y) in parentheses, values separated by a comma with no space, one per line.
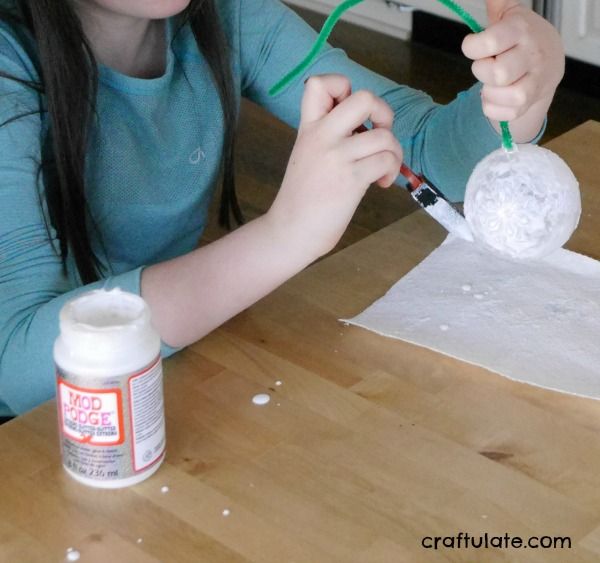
(73,554)
(164,489)
(261,399)
(226,512)
(450,219)
(279,382)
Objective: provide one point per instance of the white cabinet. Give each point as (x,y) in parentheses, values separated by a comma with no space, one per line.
(379,15)
(580,28)
(393,16)
(475,7)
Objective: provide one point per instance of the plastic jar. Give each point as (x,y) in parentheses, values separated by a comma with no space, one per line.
(109,389)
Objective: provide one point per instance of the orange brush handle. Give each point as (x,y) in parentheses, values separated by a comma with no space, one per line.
(412,178)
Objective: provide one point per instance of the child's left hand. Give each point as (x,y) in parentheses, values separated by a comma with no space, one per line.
(519,59)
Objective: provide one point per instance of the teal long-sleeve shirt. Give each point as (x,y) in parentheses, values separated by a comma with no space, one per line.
(153,163)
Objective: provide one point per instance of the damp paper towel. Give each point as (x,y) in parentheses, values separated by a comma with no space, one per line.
(532,321)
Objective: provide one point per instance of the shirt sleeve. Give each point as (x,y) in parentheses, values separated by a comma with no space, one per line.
(444,142)
(33,287)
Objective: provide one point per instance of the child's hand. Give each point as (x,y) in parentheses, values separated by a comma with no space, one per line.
(330,168)
(519,58)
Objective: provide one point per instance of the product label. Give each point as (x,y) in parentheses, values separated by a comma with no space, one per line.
(147,420)
(91,416)
(111,428)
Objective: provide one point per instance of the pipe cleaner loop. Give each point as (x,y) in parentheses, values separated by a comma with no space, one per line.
(464,15)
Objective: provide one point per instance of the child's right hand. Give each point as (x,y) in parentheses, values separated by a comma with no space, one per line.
(330,168)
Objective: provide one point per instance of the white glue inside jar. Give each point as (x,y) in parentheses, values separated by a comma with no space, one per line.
(109,389)
(523,203)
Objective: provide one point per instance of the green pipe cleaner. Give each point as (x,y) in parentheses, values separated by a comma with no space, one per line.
(317,46)
(464,15)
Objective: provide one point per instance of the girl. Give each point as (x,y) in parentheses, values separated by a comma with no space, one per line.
(116,118)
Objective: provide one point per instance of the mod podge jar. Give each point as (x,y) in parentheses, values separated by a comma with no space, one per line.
(109,389)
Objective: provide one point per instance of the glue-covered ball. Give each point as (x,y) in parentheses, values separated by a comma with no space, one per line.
(523,204)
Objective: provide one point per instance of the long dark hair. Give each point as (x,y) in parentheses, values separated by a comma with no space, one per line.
(68,83)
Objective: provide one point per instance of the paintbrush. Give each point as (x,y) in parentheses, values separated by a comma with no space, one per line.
(432,201)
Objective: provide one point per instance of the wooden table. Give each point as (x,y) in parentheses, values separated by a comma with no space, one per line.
(368,445)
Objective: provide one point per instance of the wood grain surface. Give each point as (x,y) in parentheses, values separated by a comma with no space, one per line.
(367,446)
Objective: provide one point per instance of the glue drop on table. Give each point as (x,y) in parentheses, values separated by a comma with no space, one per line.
(109,390)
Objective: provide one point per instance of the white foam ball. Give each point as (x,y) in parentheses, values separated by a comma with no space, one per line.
(523,204)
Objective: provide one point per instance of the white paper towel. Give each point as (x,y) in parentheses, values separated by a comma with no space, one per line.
(532,321)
